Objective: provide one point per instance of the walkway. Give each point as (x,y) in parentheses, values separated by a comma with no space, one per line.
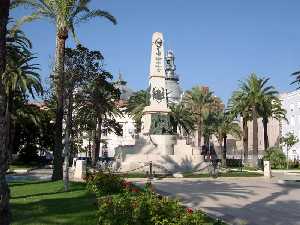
(253,201)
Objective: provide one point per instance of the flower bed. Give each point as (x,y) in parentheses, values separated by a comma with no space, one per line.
(131,205)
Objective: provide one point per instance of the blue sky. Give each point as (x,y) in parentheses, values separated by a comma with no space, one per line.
(216,42)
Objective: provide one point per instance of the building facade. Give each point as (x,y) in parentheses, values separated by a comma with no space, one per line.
(291,103)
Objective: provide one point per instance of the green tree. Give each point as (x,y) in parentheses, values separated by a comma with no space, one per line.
(97,107)
(135,106)
(296,75)
(198,100)
(80,63)
(4,189)
(289,140)
(226,126)
(270,107)
(20,76)
(276,157)
(238,107)
(65,14)
(254,90)
(182,118)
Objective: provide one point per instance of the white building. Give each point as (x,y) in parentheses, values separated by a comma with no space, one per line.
(291,103)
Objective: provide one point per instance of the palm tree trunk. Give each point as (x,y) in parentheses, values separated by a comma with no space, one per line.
(11,124)
(68,142)
(199,135)
(97,142)
(4,189)
(245,139)
(266,137)
(255,138)
(59,80)
(224,153)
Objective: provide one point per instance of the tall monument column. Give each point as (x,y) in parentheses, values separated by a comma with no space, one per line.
(156,120)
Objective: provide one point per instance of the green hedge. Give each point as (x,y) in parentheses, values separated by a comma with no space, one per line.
(146,208)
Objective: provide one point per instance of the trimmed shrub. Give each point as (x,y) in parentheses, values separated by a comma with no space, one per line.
(276,157)
(105,183)
(147,208)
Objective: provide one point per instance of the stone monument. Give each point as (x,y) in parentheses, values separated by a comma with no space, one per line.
(158,142)
(156,120)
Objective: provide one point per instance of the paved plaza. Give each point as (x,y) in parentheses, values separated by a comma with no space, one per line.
(253,201)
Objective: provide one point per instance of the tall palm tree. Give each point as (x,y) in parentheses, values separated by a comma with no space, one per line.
(255,89)
(20,78)
(270,107)
(198,100)
(225,126)
(65,14)
(4,189)
(238,107)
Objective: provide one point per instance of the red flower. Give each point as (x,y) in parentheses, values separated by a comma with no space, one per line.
(135,190)
(189,210)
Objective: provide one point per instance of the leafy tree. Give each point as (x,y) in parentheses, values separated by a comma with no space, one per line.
(225,126)
(97,106)
(289,140)
(276,157)
(34,131)
(65,14)
(198,100)
(4,189)
(80,63)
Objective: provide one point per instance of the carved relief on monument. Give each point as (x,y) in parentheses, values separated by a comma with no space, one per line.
(158,94)
(158,59)
(161,124)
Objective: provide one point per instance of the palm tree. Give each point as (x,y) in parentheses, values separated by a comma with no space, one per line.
(98,104)
(255,89)
(4,189)
(182,118)
(270,108)
(297,78)
(225,126)
(198,100)
(135,106)
(238,107)
(65,14)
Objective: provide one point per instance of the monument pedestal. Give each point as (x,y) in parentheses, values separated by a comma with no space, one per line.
(158,143)
(165,158)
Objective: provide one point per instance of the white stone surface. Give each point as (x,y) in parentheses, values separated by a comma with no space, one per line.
(267,169)
(178,175)
(80,170)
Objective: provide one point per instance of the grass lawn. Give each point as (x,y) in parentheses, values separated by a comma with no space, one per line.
(43,203)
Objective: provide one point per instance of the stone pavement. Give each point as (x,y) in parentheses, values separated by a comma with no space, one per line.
(251,201)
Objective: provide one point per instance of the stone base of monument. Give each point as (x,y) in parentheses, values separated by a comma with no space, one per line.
(166,154)
(79,171)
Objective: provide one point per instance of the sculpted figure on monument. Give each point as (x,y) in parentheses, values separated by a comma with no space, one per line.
(161,124)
